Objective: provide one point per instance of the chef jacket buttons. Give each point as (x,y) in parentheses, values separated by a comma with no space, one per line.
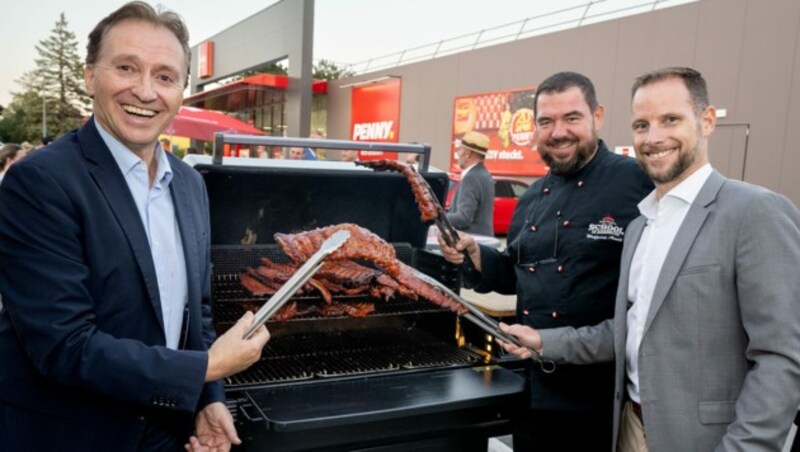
(558,214)
(566,223)
(555,314)
(531,269)
(546,191)
(526,312)
(560,269)
(533,228)
(580,184)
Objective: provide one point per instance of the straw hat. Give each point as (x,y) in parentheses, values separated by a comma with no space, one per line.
(475,142)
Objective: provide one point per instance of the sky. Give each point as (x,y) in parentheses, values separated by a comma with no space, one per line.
(345,31)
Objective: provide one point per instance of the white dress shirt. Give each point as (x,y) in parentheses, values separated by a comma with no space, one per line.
(157,212)
(664,219)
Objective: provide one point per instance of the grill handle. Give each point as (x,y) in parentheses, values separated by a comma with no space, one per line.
(243,410)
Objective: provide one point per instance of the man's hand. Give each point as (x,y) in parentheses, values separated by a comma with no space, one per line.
(231,353)
(455,255)
(529,338)
(214,430)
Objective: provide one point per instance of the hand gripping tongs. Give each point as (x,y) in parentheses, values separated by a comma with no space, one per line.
(486,323)
(298,279)
(448,232)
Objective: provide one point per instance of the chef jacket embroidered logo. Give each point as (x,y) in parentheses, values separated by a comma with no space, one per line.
(606,229)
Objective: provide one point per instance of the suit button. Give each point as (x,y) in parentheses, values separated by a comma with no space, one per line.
(546,191)
(533,228)
(555,314)
(560,269)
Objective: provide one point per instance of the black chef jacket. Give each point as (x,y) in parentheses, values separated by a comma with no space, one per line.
(562,260)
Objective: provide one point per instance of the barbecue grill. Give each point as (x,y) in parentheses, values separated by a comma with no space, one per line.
(409,376)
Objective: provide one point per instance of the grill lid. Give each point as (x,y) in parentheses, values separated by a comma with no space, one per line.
(249,204)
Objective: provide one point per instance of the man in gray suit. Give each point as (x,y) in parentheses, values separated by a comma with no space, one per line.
(706,331)
(472,207)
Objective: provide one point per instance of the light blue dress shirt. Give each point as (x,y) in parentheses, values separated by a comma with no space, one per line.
(157,212)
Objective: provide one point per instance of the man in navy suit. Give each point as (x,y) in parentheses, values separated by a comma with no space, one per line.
(106,339)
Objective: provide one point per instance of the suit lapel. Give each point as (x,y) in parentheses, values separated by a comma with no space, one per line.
(632,236)
(112,184)
(682,243)
(186,223)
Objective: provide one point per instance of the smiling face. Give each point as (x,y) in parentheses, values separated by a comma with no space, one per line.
(137,83)
(566,130)
(669,134)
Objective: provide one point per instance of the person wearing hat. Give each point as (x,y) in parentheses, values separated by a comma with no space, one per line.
(562,260)
(472,207)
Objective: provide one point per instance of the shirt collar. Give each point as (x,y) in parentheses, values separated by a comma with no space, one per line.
(127,160)
(466,170)
(686,191)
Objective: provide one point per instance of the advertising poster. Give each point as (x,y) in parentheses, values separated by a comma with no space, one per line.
(375,116)
(506,117)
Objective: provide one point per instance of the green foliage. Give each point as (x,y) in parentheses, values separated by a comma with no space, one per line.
(328,70)
(59,77)
(323,70)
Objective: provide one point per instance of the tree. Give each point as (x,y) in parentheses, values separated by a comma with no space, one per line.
(328,70)
(323,70)
(58,77)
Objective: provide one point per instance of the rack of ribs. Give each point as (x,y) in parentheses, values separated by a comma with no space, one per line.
(429,208)
(341,275)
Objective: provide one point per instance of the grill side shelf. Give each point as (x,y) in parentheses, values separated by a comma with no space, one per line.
(349,402)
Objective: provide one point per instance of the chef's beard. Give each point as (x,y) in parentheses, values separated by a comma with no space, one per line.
(582,156)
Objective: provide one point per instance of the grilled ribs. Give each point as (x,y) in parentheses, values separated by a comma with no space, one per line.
(342,276)
(362,244)
(429,208)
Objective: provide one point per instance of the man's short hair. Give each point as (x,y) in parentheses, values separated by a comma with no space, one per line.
(692,79)
(562,81)
(142,12)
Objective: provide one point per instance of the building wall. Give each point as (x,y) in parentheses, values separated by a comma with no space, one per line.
(748,50)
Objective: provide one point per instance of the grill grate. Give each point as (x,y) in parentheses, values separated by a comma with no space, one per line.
(231,299)
(350,353)
(228,311)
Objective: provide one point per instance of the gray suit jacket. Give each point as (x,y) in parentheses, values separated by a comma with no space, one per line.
(719,364)
(472,207)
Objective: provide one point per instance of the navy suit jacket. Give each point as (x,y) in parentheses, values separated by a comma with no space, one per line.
(82,343)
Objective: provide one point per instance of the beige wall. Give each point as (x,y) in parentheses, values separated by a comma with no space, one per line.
(748,50)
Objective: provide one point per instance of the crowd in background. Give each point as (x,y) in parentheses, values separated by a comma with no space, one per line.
(11,153)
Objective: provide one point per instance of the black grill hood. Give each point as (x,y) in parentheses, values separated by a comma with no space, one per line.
(292,196)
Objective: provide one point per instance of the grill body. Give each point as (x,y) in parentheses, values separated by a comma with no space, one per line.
(409,376)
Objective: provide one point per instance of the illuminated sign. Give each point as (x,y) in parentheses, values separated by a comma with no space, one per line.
(375,116)
(205,60)
(506,117)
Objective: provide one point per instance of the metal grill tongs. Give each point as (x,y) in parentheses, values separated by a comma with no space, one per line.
(447,231)
(486,323)
(300,277)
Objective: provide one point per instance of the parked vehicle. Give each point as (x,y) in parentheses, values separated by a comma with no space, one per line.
(506,193)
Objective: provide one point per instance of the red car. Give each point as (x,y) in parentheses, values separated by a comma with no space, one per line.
(506,193)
